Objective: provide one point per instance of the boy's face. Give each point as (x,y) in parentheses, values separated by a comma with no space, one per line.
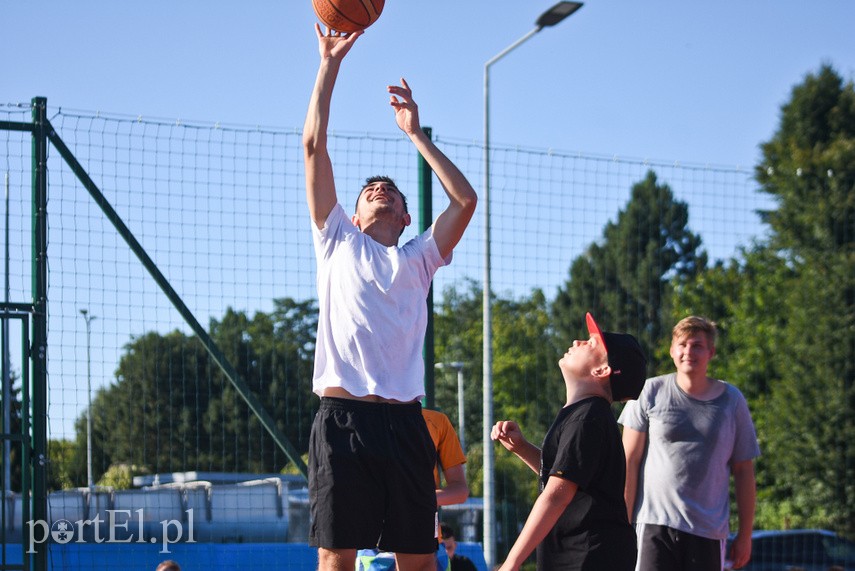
(692,353)
(582,357)
(380,199)
(450,545)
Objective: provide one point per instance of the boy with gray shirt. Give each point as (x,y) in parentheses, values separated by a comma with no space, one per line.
(684,437)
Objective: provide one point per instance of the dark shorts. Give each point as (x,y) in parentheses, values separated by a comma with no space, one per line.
(664,548)
(371,477)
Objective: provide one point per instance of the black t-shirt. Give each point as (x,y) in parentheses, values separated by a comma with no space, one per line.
(584,446)
(461,563)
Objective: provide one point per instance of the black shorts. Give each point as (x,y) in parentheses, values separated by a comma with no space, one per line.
(371,477)
(662,548)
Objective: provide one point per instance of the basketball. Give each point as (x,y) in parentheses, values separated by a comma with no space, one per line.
(348,15)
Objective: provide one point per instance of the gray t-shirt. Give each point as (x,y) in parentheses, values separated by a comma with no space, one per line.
(691,445)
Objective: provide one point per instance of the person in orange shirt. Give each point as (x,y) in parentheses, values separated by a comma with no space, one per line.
(450,459)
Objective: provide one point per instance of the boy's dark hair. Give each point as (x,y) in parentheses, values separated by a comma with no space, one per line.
(446,530)
(381,178)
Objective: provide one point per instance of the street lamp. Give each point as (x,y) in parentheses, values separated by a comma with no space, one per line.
(461,422)
(549,18)
(88,318)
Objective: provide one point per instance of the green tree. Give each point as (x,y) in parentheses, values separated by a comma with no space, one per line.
(787,311)
(151,415)
(60,466)
(626,279)
(171,409)
(458,333)
(120,476)
(274,354)
(527,385)
(808,167)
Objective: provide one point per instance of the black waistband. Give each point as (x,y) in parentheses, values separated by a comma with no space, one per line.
(335,403)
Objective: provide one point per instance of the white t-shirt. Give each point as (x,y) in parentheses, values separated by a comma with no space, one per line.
(372,310)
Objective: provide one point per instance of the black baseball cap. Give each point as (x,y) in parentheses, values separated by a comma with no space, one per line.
(626,360)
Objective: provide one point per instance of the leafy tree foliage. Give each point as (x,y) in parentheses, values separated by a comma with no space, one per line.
(171,409)
(152,414)
(458,333)
(527,385)
(787,312)
(60,476)
(274,354)
(809,168)
(626,279)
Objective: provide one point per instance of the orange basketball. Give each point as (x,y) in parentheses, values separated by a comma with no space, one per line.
(348,15)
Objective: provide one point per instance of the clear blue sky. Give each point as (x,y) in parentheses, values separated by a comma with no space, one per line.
(685,81)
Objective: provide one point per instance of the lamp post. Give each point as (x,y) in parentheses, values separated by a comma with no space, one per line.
(549,18)
(88,318)
(7,373)
(461,422)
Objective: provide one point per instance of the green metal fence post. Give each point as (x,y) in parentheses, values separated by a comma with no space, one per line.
(425,220)
(38,348)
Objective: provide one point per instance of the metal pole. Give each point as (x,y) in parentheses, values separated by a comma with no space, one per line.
(7,374)
(89,480)
(549,18)
(39,344)
(487,350)
(425,221)
(461,418)
(461,422)
(489,453)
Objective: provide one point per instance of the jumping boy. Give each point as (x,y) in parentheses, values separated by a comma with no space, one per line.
(371,457)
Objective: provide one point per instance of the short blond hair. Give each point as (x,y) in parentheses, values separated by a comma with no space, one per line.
(693,325)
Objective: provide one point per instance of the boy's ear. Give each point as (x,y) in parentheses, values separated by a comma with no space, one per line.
(604,371)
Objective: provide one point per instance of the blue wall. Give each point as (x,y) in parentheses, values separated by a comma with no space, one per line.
(196,556)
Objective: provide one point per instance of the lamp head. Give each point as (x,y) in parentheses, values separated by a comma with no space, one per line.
(557,13)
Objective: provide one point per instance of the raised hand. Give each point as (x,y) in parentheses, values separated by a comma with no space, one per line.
(333,44)
(406,110)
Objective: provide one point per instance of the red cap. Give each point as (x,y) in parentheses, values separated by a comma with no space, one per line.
(626,360)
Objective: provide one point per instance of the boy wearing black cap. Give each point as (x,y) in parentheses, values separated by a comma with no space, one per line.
(579,521)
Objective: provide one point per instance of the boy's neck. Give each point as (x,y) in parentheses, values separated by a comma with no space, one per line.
(585,389)
(699,386)
(383,234)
